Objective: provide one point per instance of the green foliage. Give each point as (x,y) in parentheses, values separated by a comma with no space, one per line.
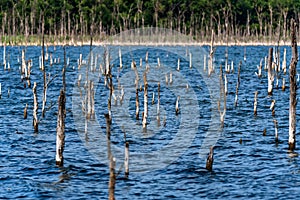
(117,15)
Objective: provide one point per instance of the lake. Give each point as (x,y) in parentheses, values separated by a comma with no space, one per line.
(168,159)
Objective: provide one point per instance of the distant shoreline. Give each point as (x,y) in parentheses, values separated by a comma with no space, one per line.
(154,44)
(35,41)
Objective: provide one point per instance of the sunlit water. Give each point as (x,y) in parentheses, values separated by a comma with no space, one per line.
(247,164)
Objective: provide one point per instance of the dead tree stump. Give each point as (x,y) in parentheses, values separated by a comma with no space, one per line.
(60,129)
(293,88)
(35,108)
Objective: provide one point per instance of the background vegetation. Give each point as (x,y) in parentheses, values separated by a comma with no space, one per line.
(267,19)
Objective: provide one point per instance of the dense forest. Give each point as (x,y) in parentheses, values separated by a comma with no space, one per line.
(68,18)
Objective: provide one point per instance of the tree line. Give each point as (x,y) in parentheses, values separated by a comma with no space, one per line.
(229,18)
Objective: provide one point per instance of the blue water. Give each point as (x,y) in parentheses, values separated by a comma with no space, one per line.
(247,164)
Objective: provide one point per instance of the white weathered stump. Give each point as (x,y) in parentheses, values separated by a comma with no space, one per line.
(23,66)
(126,162)
(167,79)
(255,103)
(245,54)
(284,61)
(276,130)
(237,86)
(177,105)
(152,98)
(222,93)
(283,84)
(232,67)
(158,62)
(272,107)
(211,54)
(80,61)
(226,84)
(146,58)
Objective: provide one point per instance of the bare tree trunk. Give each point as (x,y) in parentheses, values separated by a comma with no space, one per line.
(237,85)
(293,88)
(255,103)
(211,54)
(44,69)
(126,162)
(35,108)
(145,113)
(112,178)
(270,72)
(60,129)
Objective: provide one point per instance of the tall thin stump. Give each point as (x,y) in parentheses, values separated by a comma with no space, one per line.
(270,72)
(237,85)
(255,103)
(158,103)
(60,129)
(35,108)
(145,101)
(293,88)
(126,162)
